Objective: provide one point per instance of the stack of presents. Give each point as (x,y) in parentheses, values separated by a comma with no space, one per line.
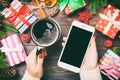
(109,25)
(22,18)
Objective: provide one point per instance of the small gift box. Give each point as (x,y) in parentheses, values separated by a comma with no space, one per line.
(14,50)
(70,6)
(110,65)
(19,16)
(109,22)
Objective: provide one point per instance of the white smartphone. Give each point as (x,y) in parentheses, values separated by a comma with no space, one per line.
(76,45)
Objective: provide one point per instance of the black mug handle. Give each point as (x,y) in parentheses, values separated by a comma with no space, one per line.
(39,50)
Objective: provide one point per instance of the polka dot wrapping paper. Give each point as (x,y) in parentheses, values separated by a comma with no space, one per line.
(109,22)
(69,6)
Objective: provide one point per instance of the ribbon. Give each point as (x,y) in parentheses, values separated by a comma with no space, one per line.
(23,11)
(22,18)
(112,67)
(75,4)
(111,20)
(18,48)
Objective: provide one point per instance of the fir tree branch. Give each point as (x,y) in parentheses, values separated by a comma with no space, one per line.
(117,50)
(2,34)
(94,4)
(8,27)
(3,61)
(104,3)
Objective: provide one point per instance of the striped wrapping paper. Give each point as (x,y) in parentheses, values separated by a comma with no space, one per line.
(110,65)
(19,16)
(14,50)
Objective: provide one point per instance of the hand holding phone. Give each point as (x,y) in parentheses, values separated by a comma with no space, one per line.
(73,52)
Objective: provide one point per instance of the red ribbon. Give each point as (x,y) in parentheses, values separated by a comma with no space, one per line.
(112,67)
(20,14)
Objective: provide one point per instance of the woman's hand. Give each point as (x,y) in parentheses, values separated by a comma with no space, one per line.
(35,63)
(91,58)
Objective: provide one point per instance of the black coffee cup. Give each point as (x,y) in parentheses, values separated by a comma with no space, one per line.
(45,32)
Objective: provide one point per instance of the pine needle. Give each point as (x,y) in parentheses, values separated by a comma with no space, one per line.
(8,27)
(2,34)
(94,4)
(104,3)
(117,50)
(3,61)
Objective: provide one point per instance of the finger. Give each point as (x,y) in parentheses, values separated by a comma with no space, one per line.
(33,53)
(91,56)
(32,56)
(44,52)
(63,44)
(40,60)
(93,43)
(92,47)
(94,38)
(64,38)
(39,66)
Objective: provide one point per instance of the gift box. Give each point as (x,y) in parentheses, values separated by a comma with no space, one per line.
(13,49)
(70,6)
(19,16)
(110,65)
(109,22)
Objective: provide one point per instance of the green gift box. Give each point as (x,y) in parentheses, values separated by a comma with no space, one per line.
(69,6)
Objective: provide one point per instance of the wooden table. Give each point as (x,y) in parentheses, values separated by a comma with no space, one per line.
(51,70)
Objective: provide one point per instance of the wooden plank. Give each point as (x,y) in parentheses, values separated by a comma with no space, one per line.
(52,71)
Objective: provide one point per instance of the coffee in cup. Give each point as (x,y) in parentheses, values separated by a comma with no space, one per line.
(45,32)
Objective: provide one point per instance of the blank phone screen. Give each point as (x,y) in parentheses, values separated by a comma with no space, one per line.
(76,46)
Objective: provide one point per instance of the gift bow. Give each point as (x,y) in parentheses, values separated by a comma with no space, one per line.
(18,48)
(112,65)
(72,3)
(111,19)
(23,10)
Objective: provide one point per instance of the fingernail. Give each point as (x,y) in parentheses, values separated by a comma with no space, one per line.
(40,55)
(94,38)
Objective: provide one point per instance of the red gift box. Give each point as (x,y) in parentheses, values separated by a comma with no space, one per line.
(19,16)
(109,22)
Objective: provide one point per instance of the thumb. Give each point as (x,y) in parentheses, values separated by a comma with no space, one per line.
(31,58)
(91,57)
(40,60)
(39,65)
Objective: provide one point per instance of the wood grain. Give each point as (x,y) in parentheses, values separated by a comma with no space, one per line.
(52,71)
